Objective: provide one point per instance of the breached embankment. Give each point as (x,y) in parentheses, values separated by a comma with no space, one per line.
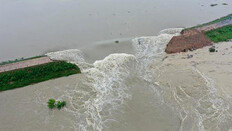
(188,40)
(195,38)
(143,91)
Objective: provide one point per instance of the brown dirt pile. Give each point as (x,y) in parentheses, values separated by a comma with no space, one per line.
(188,40)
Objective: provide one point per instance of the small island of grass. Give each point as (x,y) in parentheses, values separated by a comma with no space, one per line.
(35,74)
(53,104)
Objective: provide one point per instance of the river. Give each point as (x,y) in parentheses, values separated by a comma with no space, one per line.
(121,86)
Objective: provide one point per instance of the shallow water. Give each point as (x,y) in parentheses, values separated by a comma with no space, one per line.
(30,28)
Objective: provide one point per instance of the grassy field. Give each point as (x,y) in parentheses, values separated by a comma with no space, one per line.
(20,59)
(30,75)
(220,34)
(212,22)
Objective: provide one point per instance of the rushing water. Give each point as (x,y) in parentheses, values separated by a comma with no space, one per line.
(33,27)
(110,83)
(120,93)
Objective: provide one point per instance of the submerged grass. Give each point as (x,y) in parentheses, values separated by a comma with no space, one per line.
(30,75)
(220,34)
(20,59)
(52,104)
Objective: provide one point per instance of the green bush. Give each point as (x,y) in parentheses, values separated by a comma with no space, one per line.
(51,103)
(211,49)
(30,75)
(60,104)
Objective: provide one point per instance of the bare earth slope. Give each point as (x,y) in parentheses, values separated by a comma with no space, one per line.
(191,39)
(26,63)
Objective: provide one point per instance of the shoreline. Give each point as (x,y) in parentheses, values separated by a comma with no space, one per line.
(24,73)
(202,35)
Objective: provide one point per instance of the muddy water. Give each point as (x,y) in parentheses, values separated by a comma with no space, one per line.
(120,90)
(30,28)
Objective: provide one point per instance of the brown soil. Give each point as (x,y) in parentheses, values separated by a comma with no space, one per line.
(188,40)
(26,63)
(194,39)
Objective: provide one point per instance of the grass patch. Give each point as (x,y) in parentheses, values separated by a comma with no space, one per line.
(212,22)
(30,75)
(220,34)
(52,104)
(20,59)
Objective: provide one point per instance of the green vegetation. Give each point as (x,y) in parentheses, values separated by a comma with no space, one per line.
(30,75)
(20,59)
(212,49)
(52,104)
(116,41)
(220,34)
(212,22)
(60,104)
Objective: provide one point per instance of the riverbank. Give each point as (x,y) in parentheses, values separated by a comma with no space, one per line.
(33,71)
(202,35)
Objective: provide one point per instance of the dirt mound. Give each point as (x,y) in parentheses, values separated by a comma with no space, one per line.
(188,40)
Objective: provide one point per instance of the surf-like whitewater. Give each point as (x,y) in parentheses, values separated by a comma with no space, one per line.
(114,88)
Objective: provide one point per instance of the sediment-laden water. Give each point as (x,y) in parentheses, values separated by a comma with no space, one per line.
(123,85)
(30,28)
(121,92)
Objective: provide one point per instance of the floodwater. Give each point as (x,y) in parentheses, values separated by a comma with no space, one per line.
(117,89)
(122,92)
(34,27)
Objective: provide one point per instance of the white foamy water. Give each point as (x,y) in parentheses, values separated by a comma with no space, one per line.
(115,90)
(148,49)
(102,91)
(73,56)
